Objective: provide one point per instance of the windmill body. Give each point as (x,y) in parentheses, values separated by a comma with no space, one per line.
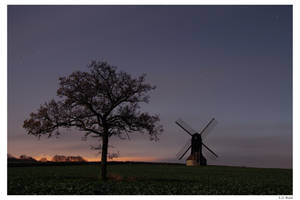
(195,144)
(196,150)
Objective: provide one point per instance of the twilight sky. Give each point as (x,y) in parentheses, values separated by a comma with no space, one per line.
(233,63)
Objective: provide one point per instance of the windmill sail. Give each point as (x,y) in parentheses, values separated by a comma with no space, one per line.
(209,152)
(184,153)
(185,127)
(207,129)
(184,150)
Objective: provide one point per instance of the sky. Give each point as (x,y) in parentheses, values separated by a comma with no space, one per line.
(233,63)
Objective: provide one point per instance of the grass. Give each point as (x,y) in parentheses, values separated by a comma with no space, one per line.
(149,179)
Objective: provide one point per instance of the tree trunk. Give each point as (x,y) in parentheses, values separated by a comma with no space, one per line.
(104,156)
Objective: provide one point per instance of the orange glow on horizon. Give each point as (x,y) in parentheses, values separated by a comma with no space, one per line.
(49,158)
(129,158)
(147,159)
(96,159)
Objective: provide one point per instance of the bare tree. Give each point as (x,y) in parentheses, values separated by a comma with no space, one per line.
(102,102)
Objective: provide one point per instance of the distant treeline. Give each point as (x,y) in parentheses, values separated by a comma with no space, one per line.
(32,164)
(56,158)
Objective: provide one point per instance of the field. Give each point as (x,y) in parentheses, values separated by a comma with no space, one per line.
(149,179)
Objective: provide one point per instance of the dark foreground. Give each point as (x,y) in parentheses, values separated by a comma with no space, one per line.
(149,179)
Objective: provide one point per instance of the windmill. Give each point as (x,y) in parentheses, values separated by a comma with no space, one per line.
(196,144)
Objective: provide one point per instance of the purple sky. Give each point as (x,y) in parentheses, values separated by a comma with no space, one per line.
(233,63)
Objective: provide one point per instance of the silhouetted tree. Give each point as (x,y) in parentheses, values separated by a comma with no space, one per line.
(26,158)
(102,102)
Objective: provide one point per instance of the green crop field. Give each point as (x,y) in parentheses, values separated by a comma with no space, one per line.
(149,179)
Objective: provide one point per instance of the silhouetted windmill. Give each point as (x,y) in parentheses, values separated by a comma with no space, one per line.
(196,144)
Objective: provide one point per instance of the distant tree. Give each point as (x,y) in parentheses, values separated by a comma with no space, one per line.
(62,158)
(75,159)
(59,158)
(26,158)
(102,102)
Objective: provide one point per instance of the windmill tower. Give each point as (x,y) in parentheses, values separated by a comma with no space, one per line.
(196,144)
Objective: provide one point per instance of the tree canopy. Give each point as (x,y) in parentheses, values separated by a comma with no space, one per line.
(95,100)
